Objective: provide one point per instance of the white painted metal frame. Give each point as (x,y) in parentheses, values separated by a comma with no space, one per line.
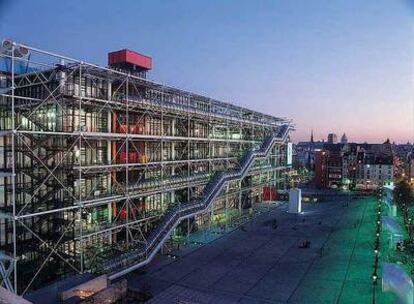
(219,113)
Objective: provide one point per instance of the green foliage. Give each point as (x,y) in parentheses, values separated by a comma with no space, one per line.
(403,196)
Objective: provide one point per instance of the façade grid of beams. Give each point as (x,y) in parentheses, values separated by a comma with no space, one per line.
(93,158)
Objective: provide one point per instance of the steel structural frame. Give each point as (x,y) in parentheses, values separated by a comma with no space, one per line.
(79,138)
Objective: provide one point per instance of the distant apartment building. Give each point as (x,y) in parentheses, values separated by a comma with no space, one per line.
(359,166)
(306,150)
(335,165)
(321,164)
(328,166)
(370,176)
(332,138)
(375,165)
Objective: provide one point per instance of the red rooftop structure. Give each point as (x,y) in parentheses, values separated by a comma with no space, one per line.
(130,61)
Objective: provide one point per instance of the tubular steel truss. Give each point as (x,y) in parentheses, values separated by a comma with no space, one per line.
(93,161)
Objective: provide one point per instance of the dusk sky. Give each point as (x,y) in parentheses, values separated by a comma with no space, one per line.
(334,66)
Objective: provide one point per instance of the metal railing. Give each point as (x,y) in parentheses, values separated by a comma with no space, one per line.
(173,216)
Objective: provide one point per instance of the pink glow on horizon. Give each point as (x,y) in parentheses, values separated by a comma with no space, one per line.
(370,136)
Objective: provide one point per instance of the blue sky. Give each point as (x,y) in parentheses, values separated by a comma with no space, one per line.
(334,66)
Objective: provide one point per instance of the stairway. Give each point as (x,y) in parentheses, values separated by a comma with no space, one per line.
(145,252)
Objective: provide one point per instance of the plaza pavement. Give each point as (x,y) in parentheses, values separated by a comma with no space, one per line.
(260,264)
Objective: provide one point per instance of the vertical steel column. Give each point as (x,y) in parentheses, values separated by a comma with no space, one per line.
(127,137)
(273,175)
(188,229)
(80,169)
(240,196)
(211,215)
(13,171)
(210,133)
(188,149)
(109,156)
(226,208)
(210,149)
(227,144)
(162,148)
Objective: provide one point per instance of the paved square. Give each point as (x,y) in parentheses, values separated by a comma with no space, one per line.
(266,265)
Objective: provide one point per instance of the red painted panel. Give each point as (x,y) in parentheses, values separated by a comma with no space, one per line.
(274,195)
(133,211)
(117,57)
(139,59)
(123,214)
(123,156)
(128,56)
(269,194)
(122,128)
(133,157)
(266,194)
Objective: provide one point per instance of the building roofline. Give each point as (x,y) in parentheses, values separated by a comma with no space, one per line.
(169,88)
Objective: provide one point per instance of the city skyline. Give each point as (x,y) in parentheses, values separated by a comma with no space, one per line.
(346,70)
(320,137)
